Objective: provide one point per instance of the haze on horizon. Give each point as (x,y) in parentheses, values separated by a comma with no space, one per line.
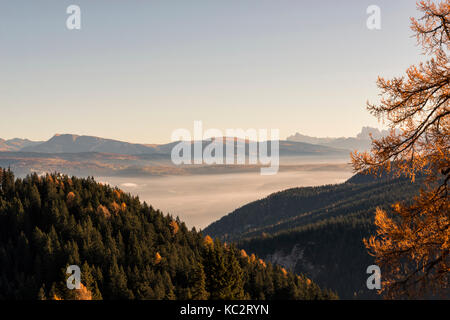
(138,70)
(202,199)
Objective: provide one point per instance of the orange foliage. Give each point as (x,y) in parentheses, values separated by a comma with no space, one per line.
(412,246)
(123,206)
(59,183)
(157,258)
(244,254)
(115,207)
(49,178)
(283,270)
(80,294)
(70,197)
(83,293)
(102,210)
(174,226)
(261,262)
(208,241)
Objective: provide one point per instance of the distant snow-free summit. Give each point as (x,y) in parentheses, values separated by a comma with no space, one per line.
(361,142)
(71,143)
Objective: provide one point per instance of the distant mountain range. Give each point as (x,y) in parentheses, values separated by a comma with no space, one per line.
(88,155)
(16,144)
(361,142)
(70,143)
(297,144)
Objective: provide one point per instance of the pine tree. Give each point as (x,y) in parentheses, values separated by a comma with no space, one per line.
(198,291)
(41,293)
(225,276)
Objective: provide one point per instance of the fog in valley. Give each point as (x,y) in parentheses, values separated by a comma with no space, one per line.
(201,199)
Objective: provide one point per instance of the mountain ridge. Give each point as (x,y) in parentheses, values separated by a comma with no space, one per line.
(71,143)
(361,142)
(16,144)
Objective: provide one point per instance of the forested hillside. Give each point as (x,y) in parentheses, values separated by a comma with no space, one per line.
(126,249)
(318,231)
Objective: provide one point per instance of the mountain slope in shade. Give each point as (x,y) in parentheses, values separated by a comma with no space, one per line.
(16,144)
(318,230)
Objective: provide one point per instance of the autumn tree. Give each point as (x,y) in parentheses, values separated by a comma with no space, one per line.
(174,226)
(413,241)
(157,258)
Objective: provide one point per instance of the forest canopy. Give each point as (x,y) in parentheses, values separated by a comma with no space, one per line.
(125,249)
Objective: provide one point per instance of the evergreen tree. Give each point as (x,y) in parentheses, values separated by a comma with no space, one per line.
(198,291)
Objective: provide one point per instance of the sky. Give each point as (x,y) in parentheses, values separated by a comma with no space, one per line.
(138,70)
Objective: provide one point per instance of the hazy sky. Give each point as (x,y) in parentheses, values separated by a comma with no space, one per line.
(137,70)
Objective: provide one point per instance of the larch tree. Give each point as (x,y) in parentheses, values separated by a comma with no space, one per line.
(413,241)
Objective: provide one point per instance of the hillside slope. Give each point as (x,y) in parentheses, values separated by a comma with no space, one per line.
(125,249)
(317,230)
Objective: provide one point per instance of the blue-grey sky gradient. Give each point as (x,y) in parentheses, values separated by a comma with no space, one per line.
(137,70)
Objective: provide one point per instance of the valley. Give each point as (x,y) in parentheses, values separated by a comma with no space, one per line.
(202,198)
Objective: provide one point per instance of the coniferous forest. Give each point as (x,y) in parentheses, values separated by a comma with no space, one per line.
(125,249)
(319,231)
